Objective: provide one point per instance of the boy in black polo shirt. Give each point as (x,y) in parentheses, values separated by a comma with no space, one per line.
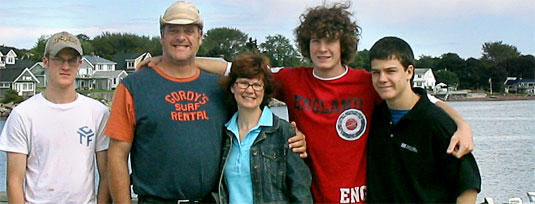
(406,161)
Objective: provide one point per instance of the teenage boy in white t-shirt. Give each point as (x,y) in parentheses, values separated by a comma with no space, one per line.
(53,138)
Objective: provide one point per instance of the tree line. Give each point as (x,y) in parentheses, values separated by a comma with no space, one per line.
(499,60)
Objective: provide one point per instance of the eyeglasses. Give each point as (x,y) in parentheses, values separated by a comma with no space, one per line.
(245,85)
(60,61)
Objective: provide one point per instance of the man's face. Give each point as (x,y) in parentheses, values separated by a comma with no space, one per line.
(181,42)
(62,68)
(325,53)
(389,78)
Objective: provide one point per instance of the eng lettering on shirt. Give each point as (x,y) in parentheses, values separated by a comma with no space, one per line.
(353,195)
(322,106)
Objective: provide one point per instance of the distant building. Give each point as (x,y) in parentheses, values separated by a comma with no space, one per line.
(7,56)
(18,77)
(129,61)
(519,85)
(424,78)
(94,72)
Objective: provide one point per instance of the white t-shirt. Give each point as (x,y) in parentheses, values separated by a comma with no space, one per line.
(61,141)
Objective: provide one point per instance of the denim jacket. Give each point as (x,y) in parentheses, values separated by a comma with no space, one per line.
(278,174)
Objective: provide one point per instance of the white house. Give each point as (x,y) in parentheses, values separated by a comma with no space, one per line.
(108,80)
(92,73)
(7,56)
(424,78)
(129,61)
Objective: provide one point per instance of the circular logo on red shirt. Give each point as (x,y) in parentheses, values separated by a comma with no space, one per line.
(351,124)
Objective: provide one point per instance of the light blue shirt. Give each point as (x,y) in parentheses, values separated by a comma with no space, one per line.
(238,168)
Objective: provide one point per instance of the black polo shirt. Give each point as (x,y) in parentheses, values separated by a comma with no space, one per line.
(408,163)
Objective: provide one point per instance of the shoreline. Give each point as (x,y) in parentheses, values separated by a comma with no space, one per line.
(493,98)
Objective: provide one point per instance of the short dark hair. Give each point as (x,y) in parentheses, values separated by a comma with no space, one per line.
(332,23)
(249,65)
(392,48)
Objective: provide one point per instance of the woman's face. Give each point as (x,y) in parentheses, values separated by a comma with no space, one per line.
(248,93)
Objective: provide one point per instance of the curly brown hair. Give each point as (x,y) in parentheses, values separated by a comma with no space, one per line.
(249,65)
(328,22)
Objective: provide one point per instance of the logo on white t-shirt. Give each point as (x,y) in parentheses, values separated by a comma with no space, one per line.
(86,135)
(351,124)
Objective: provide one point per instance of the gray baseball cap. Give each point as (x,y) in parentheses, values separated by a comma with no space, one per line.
(61,40)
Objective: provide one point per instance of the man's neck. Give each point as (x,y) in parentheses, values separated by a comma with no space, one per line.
(60,95)
(330,73)
(404,102)
(178,69)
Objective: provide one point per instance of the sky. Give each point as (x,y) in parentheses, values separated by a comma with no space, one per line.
(432,27)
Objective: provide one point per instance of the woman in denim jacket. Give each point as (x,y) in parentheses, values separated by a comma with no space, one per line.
(258,166)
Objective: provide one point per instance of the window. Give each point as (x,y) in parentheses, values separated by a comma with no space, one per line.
(419,76)
(130,65)
(10,60)
(4,85)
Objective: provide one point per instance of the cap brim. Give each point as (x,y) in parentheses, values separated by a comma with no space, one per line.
(55,51)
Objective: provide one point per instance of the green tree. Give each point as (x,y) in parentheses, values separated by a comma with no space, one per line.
(229,42)
(447,77)
(522,66)
(12,96)
(426,61)
(280,52)
(498,51)
(108,44)
(361,60)
(85,41)
(38,49)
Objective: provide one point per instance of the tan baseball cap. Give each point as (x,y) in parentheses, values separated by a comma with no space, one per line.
(181,13)
(61,40)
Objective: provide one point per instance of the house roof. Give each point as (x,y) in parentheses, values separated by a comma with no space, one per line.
(510,82)
(25,63)
(107,74)
(120,59)
(4,49)
(10,74)
(421,70)
(97,60)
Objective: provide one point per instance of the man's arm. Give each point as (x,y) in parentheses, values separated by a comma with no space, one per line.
(461,142)
(207,65)
(119,179)
(212,66)
(103,195)
(467,197)
(298,143)
(16,168)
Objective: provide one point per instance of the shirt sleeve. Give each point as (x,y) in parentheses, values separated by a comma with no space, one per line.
(432,98)
(227,70)
(122,121)
(102,140)
(14,137)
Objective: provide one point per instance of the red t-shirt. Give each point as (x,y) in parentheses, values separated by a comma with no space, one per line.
(334,114)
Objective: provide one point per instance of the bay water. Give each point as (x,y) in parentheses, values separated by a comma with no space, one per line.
(504,137)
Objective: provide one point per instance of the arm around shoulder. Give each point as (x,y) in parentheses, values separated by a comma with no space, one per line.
(462,141)
(212,66)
